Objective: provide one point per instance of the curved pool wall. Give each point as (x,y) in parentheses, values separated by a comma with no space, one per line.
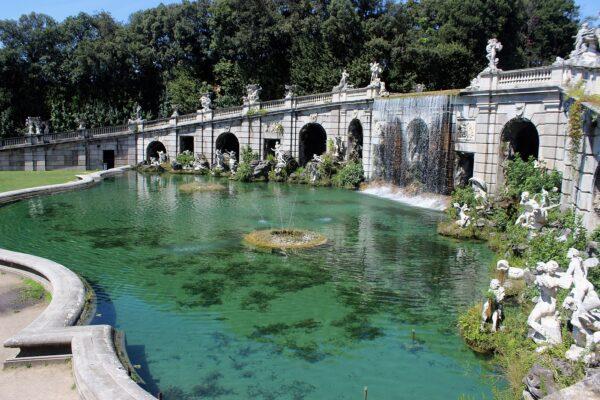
(207,317)
(98,372)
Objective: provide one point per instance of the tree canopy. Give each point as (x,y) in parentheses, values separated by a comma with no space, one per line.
(93,68)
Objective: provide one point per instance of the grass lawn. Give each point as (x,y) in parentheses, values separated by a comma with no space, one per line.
(13,180)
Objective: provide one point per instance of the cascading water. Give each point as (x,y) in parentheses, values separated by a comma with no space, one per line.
(412,141)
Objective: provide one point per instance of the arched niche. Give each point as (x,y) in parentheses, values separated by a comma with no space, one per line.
(227,142)
(153,149)
(355,139)
(313,140)
(520,136)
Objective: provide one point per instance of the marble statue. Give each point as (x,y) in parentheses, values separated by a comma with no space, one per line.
(535,214)
(464,219)
(584,304)
(586,51)
(34,125)
(383,92)
(232,161)
(343,85)
(200,163)
(492,49)
(219,160)
(376,71)
(543,319)
(505,270)
(205,101)
(479,187)
(290,91)
(339,148)
(491,310)
(138,112)
(162,157)
(154,162)
(252,94)
(80,124)
(313,168)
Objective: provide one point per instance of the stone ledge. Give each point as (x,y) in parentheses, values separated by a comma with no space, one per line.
(84,181)
(99,374)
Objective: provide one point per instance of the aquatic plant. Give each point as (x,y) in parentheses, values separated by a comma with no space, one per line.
(285,239)
(196,187)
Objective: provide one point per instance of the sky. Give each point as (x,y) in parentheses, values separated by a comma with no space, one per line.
(121,9)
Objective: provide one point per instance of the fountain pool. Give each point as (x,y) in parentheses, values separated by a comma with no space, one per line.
(209,317)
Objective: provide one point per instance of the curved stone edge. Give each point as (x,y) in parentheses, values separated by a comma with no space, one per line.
(84,181)
(98,372)
(586,389)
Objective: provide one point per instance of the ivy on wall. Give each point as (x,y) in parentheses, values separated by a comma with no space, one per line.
(575,129)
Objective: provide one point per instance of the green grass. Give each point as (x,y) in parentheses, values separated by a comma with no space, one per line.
(33,290)
(13,180)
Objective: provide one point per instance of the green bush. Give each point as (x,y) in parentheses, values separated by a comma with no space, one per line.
(186,158)
(244,172)
(248,155)
(327,167)
(350,176)
(523,176)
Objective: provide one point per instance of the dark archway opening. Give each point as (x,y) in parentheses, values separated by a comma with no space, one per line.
(227,142)
(186,143)
(313,140)
(153,149)
(355,140)
(520,136)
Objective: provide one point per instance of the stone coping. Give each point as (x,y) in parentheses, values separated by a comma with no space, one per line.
(84,181)
(98,372)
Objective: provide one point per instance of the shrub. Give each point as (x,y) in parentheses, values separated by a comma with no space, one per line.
(186,158)
(350,176)
(248,155)
(523,176)
(327,167)
(469,327)
(244,172)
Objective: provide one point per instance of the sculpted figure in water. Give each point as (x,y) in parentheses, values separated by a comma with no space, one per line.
(543,320)
(584,303)
(492,307)
(464,219)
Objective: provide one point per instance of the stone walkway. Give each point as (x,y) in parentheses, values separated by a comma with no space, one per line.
(42,382)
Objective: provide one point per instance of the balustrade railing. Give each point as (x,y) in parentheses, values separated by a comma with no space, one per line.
(15,141)
(228,112)
(107,130)
(184,119)
(156,123)
(272,105)
(314,99)
(524,76)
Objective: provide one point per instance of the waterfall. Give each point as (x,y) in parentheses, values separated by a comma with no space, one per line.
(412,141)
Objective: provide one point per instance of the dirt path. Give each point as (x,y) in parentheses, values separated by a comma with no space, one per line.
(43,382)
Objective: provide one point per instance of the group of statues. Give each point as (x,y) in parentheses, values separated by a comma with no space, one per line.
(582,304)
(35,126)
(535,213)
(225,161)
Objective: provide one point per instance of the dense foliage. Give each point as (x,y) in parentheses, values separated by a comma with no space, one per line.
(94,68)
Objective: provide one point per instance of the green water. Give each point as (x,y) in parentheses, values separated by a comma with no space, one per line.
(207,317)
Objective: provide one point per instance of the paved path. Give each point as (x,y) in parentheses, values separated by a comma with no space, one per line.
(43,382)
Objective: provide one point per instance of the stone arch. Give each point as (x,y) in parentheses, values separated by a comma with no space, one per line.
(519,135)
(355,138)
(227,142)
(313,140)
(153,148)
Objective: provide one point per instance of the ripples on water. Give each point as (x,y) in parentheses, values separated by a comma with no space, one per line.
(207,317)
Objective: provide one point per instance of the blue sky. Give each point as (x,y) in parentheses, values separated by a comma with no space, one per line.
(121,9)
